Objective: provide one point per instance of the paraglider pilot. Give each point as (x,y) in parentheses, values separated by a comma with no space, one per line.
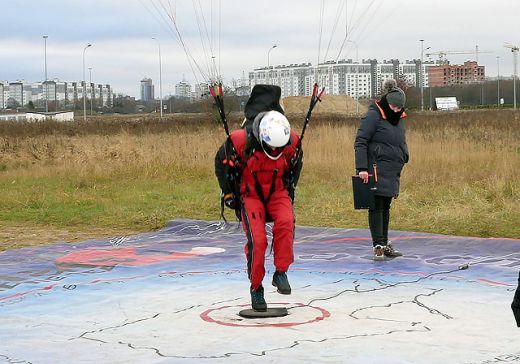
(263,151)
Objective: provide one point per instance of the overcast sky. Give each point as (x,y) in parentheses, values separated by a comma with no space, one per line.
(123,51)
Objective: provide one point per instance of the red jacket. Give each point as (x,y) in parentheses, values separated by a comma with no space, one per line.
(258,167)
(253,162)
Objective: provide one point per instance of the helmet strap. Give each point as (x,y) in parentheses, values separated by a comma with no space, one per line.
(266,152)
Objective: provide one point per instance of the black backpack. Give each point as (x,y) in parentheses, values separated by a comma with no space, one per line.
(263,98)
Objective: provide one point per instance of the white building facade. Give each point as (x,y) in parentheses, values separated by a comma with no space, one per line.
(345,77)
(64,95)
(183,90)
(2,103)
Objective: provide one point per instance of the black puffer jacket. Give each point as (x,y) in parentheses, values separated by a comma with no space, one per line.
(382,142)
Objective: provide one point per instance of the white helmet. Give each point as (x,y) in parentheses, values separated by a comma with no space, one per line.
(274,129)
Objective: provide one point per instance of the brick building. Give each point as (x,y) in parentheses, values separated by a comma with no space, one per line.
(449,75)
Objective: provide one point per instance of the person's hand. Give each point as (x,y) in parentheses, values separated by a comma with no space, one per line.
(364,176)
(229,200)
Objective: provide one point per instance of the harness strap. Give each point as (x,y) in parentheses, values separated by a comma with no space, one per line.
(273,185)
(222,208)
(258,187)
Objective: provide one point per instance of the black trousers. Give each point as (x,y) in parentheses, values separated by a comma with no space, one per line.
(378,220)
(515,306)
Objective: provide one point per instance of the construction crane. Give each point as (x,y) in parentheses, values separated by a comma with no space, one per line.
(442,54)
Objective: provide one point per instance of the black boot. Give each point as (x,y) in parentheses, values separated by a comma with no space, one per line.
(516,312)
(281,282)
(515,306)
(257,299)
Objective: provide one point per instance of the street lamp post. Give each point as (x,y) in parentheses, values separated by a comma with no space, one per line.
(160,77)
(421,74)
(498,81)
(515,55)
(85,85)
(514,49)
(430,98)
(45,89)
(268,64)
(92,92)
(357,75)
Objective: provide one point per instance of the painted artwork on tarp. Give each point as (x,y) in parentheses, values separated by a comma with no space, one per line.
(173,296)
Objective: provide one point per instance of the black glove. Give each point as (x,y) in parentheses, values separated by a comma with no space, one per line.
(229,200)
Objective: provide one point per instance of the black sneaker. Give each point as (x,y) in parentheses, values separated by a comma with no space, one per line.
(281,282)
(390,251)
(257,299)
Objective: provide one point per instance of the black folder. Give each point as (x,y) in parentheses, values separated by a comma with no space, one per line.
(363,193)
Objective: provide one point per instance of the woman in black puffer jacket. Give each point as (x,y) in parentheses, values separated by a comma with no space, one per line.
(381,150)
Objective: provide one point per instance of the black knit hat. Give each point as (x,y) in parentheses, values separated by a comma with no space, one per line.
(394,95)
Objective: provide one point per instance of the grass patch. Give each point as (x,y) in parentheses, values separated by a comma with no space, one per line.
(138,203)
(127,175)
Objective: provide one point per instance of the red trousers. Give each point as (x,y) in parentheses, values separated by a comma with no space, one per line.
(280,209)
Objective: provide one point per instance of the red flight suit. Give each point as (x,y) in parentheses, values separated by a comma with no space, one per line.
(265,198)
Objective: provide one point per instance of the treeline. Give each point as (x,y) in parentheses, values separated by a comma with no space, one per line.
(141,124)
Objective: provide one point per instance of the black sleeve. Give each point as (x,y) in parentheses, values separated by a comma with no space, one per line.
(366,130)
(406,153)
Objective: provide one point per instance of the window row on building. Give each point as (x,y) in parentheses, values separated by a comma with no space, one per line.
(363,79)
(449,75)
(64,94)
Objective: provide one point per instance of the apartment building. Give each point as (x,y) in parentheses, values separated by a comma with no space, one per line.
(356,79)
(147,90)
(105,95)
(62,94)
(201,90)
(449,75)
(16,94)
(183,90)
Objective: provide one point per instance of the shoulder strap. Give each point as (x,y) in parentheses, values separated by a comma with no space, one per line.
(251,143)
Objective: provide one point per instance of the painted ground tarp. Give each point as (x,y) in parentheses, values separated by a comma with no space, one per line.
(173,296)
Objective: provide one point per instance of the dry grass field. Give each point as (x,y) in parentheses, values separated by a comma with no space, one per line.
(122,175)
(337,104)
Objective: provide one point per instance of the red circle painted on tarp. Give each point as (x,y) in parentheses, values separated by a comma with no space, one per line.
(206,316)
